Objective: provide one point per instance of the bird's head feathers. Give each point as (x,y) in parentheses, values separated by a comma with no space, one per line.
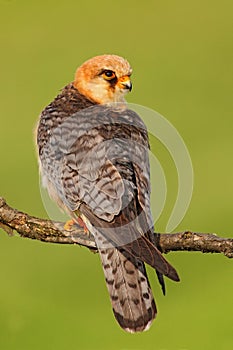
(104,79)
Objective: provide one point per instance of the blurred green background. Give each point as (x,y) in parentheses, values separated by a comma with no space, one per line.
(53,296)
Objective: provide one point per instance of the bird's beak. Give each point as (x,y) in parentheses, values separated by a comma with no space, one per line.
(125,83)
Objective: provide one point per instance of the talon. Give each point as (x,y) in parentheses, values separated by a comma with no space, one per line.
(68,225)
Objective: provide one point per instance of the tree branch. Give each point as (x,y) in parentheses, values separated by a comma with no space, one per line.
(53,232)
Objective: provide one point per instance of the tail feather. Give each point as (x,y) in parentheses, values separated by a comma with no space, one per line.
(129,289)
(125,274)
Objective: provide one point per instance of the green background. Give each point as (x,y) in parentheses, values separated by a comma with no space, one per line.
(53,296)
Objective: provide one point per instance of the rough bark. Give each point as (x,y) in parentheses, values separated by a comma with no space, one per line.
(53,232)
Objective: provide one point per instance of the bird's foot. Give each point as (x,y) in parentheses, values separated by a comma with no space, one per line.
(68,225)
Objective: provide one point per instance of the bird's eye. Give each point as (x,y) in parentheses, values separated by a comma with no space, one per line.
(108,75)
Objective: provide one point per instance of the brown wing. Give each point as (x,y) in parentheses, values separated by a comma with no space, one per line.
(101,167)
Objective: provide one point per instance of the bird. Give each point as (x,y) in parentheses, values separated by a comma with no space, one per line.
(93,159)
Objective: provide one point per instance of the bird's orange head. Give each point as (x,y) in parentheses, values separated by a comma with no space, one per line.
(104,79)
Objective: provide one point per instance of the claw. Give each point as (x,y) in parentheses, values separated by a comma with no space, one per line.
(68,225)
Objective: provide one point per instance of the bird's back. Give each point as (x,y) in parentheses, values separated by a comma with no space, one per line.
(95,162)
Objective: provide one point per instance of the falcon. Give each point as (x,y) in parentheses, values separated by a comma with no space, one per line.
(93,158)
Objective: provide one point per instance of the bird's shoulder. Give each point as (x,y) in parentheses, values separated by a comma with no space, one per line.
(67,102)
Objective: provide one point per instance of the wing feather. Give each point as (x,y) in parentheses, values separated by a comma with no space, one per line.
(102,157)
